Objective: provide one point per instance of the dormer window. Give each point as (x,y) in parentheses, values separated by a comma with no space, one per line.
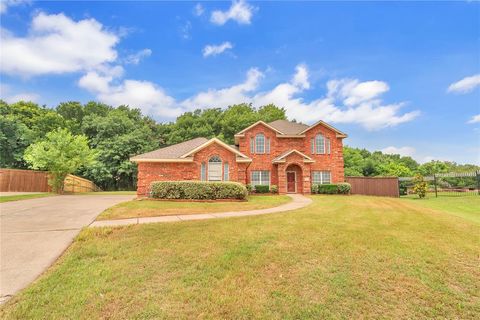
(260,143)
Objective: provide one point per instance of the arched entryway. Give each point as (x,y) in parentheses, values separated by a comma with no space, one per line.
(293,173)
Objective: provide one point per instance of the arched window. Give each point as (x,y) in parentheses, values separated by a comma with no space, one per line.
(319,144)
(215,169)
(260,143)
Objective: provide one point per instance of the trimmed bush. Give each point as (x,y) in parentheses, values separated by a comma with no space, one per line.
(262,189)
(197,190)
(249,188)
(331,188)
(344,188)
(274,188)
(327,188)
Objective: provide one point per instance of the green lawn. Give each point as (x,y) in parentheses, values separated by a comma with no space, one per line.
(24,197)
(341,257)
(467,207)
(152,208)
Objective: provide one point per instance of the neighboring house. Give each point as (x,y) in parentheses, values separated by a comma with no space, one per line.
(287,154)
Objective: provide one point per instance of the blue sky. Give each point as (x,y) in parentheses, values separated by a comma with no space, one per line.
(398,77)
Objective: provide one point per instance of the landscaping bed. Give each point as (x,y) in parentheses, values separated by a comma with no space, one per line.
(162,207)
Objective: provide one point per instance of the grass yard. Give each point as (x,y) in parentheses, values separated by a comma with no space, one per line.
(24,196)
(152,208)
(341,257)
(467,207)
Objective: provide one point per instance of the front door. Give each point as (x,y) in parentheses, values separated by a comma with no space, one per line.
(291,182)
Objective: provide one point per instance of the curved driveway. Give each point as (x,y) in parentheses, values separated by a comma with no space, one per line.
(35,232)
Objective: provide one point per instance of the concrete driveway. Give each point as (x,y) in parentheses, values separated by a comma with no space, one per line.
(35,232)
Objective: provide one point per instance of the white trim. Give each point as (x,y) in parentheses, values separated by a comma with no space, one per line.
(240,134)
(340,134)
(209,142)
(290,171)
(279,160)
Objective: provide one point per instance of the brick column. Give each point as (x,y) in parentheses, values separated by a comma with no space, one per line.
(282,179)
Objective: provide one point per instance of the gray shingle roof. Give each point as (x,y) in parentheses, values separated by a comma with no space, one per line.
(174,151)
(288,127)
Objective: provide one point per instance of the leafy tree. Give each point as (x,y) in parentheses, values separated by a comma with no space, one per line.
(396,169)
(61,153)
(15,137)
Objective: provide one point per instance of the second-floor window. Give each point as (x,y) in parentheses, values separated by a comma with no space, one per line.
(260,143)
(320,145)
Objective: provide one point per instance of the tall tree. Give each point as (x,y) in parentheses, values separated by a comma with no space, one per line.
(60,153)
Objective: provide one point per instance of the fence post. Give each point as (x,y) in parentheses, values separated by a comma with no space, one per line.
(478,181)
(435,184)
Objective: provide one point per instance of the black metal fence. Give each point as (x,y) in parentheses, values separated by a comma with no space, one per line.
(445,184)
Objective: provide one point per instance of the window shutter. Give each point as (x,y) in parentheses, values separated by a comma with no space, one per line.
(252,146)
(268,146)
(226,173)
(202,172)
(312,145)
(328,145)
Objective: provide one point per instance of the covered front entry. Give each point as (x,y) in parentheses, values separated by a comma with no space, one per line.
(294,179)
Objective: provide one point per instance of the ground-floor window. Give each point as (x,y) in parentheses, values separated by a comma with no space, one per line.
(215,169)
(261,177)
(321,177)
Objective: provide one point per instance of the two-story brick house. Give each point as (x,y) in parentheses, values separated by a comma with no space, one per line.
(283,153)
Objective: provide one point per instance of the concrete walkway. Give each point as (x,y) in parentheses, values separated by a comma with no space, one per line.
(298,201)
(35,232)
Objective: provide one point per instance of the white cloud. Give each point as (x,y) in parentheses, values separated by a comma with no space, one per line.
(57,44)
(371,114)
(465,85)
(145,95)
(4,4)
(403,151)
(475,119)
(136,57)
(184,30)
(213,50)
(7,95)
(365,109)
(240,11)
(198,10)
(226,96)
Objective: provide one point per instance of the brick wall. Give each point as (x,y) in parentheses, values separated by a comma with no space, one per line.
(332,162)
(177,171)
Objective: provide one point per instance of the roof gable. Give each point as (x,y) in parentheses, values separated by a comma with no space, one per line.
(282,158)
(217,141)
(339,133)
(256,124)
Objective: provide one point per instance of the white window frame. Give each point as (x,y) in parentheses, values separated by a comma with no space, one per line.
(217,164)
(261,177)
(319,144)
(260,144)
(322,175)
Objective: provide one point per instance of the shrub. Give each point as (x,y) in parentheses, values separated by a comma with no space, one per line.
(314,188)
(344,188)
(262,189)
(197,190)
(420,187)
(274,188)
(328,188)
(249,188)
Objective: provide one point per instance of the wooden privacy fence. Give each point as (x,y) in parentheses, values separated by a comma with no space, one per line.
(374,186)
(37,181)
(23,180)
